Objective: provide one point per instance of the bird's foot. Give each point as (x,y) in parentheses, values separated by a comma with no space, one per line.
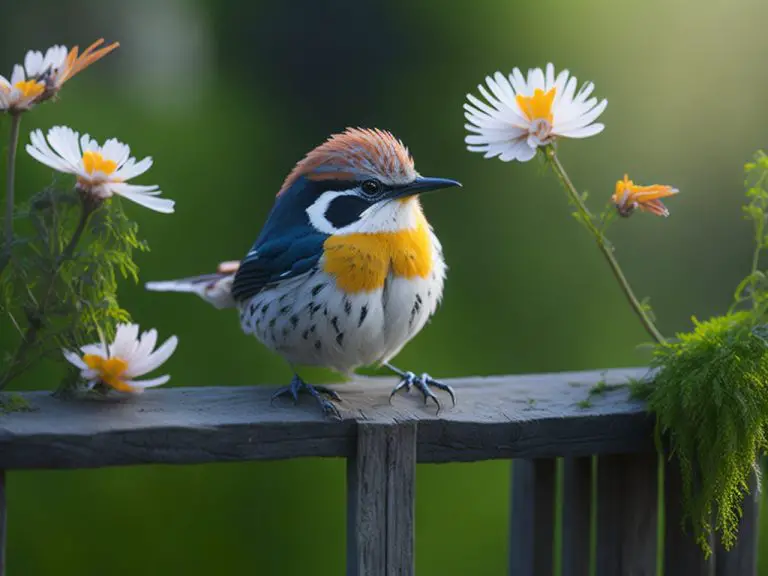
(423,384)
(319,393)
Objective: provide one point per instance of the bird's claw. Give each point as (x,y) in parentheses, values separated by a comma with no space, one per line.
(406,381)
(423,384)
(298,386)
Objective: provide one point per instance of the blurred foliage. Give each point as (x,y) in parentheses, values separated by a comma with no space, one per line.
(227,95)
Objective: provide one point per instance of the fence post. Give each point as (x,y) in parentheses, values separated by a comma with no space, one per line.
(627,513)
(532,517)
(577,499)
(381,488)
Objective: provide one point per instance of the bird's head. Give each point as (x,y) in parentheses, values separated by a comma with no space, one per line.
(361,180)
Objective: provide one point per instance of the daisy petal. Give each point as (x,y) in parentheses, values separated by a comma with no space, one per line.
(144,196)
(95,349)
(74,359)
(17,75)
(140,385)
(154,360)
(584,132)
(33,63)
(131,168)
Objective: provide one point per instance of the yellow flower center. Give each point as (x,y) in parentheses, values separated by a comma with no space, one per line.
(538,106)
(110,370)
(94,161)
(29,88)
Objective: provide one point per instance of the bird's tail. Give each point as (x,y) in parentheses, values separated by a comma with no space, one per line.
(213,288)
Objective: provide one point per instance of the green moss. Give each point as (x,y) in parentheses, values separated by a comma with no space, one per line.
(599,389)
(640,389)
(602,387)
(14,403)
(710,396)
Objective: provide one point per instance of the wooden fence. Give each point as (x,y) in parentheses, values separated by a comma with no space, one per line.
(530,420)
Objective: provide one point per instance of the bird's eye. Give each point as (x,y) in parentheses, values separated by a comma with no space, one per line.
(371,187)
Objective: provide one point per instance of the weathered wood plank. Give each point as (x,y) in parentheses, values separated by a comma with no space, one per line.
(381,487)
(527,416)
(577,499)
(627,512)
(610,498)
(640,522)
(3,519)
(682,555)
(532,517)
(741,560)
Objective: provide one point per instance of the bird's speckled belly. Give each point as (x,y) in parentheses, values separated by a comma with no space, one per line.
(311,321)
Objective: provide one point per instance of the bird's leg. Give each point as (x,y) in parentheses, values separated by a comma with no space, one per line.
(298,386)
(423,383)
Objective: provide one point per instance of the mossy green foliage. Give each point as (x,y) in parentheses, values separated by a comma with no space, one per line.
(640,389)
(710,393)
(14,403)
(59,289)
(599,389)
(711,398)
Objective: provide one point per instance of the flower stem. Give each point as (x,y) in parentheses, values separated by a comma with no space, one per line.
(605,248)
(9,189)
(37,317)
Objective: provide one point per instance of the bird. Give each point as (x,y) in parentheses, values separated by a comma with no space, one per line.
(346,269)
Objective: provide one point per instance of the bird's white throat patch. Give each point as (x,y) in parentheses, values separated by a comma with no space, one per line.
(383,216)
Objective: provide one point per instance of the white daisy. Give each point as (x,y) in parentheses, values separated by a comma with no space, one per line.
(42,76)
(101,170)
(128,357)
(520,114)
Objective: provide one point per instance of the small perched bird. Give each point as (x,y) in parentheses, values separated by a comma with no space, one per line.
(346,269)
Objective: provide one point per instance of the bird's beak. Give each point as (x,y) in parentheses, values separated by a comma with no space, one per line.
(422,184)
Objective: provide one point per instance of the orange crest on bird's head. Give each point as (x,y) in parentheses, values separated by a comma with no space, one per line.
(356,154)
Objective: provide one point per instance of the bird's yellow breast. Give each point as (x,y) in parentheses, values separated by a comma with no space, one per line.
(361,262)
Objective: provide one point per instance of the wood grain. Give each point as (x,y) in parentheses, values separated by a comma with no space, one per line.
(381,490)
(577,510)
(530,416)
(532,517)
(627,513)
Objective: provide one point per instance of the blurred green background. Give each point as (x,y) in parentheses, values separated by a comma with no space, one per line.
(228,95)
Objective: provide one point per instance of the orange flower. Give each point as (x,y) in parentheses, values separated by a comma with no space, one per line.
(628,197)
(55,77)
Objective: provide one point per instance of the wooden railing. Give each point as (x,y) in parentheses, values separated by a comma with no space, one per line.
(532,420)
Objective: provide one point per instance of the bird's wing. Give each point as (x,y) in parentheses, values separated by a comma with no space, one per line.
(275,260)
